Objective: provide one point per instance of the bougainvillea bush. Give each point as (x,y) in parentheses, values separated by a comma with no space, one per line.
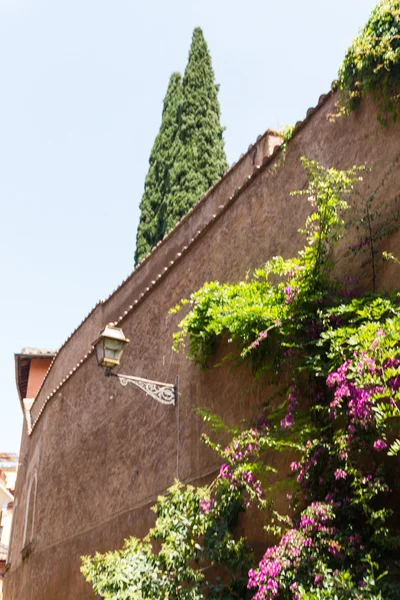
(334,357)
(341,410)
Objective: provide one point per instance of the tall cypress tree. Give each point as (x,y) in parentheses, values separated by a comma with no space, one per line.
(157,182)
(199,156)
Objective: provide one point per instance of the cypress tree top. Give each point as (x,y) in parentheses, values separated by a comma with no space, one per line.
(156,185)
(199,156)
(188,154)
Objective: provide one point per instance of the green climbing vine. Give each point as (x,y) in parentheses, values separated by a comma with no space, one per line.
(372,63)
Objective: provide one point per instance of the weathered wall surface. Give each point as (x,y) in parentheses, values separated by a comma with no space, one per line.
(102,453)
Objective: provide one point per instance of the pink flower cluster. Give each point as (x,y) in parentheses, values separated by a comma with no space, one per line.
(244,448)
(340,474)
(288,420)
(360,409)
(206,505)
(242,480)
(246,445)
(380,445)
(285,559)
(365,363)
(225,472)
(338,377)
(310,461)
(394,382)
(260,338)
(359,397)
(291,293)
(359,404)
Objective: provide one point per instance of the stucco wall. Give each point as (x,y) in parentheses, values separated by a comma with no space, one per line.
(102,452)
(142,277)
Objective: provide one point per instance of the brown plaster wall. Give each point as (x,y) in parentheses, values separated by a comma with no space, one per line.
(110,309)
(103,452)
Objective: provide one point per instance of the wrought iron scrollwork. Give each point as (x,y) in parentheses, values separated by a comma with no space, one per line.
(165,393)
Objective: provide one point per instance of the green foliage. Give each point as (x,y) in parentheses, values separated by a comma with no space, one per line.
(341,585)
(157,184)
(287,133)
(188,155)
(261,306)
(372,63)
(193,534)
(199,148)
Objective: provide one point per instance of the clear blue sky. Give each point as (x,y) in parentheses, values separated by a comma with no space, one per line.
(82,84)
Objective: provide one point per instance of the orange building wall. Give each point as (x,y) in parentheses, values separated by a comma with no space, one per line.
(37,370)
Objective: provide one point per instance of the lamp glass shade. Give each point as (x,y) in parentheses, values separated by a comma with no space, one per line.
(99,347)
(114,349)
(110,346)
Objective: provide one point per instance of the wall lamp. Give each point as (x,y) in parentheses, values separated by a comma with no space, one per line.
(109,347)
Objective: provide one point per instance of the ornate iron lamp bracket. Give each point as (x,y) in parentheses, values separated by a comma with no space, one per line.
(164,393)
